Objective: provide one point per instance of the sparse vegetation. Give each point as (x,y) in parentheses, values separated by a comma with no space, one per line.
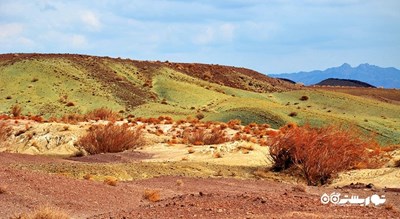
(111,181)
(199,116)
(45,213)
(16,110)
(299,188)
(110,138)
(319,153)
(204,136)
(304,98)
(152,195)
(103,114)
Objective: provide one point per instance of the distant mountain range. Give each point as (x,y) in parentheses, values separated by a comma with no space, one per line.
(371,74)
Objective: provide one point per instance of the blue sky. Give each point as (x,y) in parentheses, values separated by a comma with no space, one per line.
(271,36)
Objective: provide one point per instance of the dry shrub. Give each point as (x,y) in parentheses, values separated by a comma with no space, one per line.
(205,136)
(179,182)
(292,114)
(304,98)
(16,110)
(234,124)
(152,195)
(200,116)
(36,118)
(45,213)
(88,177)
(319,153)
(103,114)
(110,138)
(72,118)
(299,188)
(111,181)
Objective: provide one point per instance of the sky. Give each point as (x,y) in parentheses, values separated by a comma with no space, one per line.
(270,36)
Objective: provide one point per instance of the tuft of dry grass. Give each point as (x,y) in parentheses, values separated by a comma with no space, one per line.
(110,138)
(204,136)
(16,110)
(45,213)
(72,118)
(320,153)
(111,181)
(103,114)
(179,182)
(299,188)
(88,177)
(152,195)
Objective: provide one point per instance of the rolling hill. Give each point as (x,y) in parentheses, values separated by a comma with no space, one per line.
(53,85)
(343,82)
(374,75)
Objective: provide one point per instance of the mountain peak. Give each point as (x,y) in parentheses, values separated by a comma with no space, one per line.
(365,65)
(345,65)
(368,73)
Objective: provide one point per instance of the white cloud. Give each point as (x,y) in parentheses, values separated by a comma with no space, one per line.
(227,31)
(10,30)
(91,20)
(78,40)
(216,33)
(205,37)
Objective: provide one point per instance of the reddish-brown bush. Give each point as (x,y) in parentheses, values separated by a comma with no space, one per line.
(319,152)
(103,114)
(200,116)
(234,123)
(4,117)
(152,195)
(36,118)
(205,136)
(72,118)
(16,110)
(110,138)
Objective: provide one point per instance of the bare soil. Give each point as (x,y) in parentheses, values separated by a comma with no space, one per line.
(180,197)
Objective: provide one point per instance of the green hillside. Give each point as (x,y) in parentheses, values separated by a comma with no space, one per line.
(54,85)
